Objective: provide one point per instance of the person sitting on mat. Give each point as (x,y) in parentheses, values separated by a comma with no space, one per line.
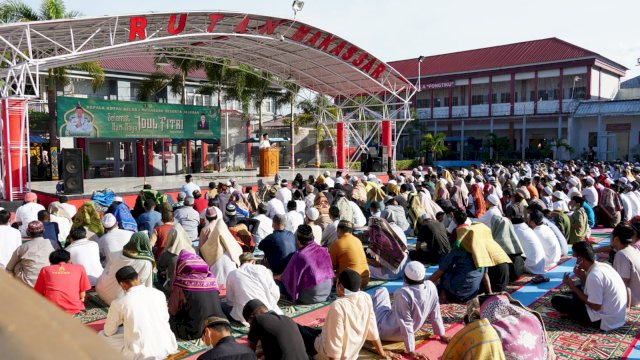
(552,251)
(627,262)
(600,301)
(216,332)
(433,235)
(347,252)
(349,323)
(62,283)
(277,334)
(415,303)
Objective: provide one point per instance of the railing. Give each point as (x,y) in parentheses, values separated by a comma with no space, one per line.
(441,112)
(548,107)
(500,109)
(460,111)
(480,110)
(521,108)
(423,113)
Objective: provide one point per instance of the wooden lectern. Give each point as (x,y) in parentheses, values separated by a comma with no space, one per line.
(269,162)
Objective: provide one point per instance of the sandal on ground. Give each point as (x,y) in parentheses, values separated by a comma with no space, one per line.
(540,280)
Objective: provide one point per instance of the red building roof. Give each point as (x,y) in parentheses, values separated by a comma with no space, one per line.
(144,65)
(496,57)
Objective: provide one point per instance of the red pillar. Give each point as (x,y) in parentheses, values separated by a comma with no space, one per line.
(386,135)
(189,156)
(15,148)
(205,152)
(149,157)
(249,144)
(140,161)
(340,142)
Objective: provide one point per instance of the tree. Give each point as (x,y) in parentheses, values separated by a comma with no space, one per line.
(18,11)
(288,97)
(434,146)
(313,112)
(555,146)
(498,144)
(217,77)
(178,82)
(151,86)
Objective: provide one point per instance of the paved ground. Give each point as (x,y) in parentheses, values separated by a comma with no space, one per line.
(134,184)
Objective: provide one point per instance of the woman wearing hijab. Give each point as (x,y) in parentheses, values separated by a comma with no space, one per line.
(455,196)
(88,217)
(137,254)
(520,329)
(321,203)
(476,204)
(221,251)
(388,247)
(194,296)
(123,215)
(177,240)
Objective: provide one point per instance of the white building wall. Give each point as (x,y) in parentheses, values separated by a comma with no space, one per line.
(609,86)
(595,83)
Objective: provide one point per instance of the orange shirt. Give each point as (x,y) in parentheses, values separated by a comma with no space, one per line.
(347,252)
(533,191)
(62,284)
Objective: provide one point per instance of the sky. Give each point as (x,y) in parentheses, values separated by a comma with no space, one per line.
(401,29)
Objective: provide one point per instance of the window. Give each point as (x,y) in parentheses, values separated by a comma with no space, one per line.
(505,98)
(494,98)
(478,99)
(437,102)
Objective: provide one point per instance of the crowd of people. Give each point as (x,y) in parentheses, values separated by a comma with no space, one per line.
(190,267)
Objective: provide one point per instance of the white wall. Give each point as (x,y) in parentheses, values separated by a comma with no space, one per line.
(609,86)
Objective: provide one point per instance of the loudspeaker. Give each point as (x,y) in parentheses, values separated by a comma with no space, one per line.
(72,171)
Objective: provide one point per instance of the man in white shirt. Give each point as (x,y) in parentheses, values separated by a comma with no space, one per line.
(265,143)
(284,194)
(10,238)
(27,212)
(250,281)
(71,210)
(293,217)
(189,187)
(113,240)
(602,303)
(589,193)
(627,262)
(328,180)
(138,322)
(359,220)
(274,206)
(532,248)
(552,251)
(86,253)
(493,209)
(265,228)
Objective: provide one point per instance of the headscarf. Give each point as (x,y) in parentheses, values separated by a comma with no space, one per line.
(178,240)
(307,268)
(385,245)
(346,212)
(455,194)
(505,235)
(463,188)
(220,240)
(192,273)
(485,340)
(88,216)
(477,240)
(374,192)
(321,203)
(512,322)
(57,209)
(441,191)
(126,221)
(138,247)
(478,200)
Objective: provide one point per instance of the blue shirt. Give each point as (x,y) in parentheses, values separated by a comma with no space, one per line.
(461,278)
(148,220)
(591,216)
(278,249)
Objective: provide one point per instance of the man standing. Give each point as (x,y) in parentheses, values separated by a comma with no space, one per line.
(189,187)
(602,303)
(265,143)
(30,257)
(10,238)
(349,323)
(216,333)
(248,282)
(28,212)
(278,334)
(138,322)
(347,252)
(414,304)
(279,246)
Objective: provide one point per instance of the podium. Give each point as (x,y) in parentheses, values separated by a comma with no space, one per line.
(269,162)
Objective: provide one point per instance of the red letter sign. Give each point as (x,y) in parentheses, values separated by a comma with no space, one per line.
(269,27)
(137,26)
(172,24)
(214,20)
(301,33)
(242,27)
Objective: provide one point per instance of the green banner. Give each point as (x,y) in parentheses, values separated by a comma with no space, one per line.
(97,118)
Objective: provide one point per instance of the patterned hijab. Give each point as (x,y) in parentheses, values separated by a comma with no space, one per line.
(192,273)
(88,216)
(139,248)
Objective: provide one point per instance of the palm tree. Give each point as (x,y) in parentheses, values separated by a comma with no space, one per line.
(434,146)
(185,66)
(288,97)
(18,11)
(312,111)
(151,86)
(496,143)
(217,77)
(262,86)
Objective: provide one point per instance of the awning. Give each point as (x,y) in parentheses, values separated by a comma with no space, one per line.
(37,139)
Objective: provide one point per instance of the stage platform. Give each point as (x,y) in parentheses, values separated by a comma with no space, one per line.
(129,187)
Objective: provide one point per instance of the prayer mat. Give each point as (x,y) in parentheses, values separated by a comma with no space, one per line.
(571,341)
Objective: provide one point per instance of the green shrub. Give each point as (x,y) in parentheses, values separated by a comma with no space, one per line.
(406,164)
